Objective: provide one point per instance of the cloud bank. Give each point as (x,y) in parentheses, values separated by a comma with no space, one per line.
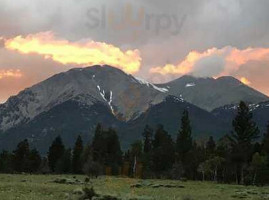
(155,39)
(85,53)
(214,62)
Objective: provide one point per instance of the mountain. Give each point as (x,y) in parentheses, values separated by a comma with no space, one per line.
(210,93)
(126,96)
(73,102)
(169,112)
(71,118)
(260,113)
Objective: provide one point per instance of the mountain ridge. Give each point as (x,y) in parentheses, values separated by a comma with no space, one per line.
(73,102)
(209,93)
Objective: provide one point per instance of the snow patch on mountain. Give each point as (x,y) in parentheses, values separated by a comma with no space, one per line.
(102,93)
(144,82)
(190,85)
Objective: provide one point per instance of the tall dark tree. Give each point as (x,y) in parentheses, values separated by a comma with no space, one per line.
(106,148)
(77,156)
(245,132)
(63,164)
(98,145)
(147,134)
(163,151)
(20,157)
(265,142)
(34,160)
(56,152)
(210,146)
(184,138)
(6,162)
(113,148)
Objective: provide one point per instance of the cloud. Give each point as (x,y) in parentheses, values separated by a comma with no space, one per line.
(11,81)
(82,53)
(208,24)
(10,73)
(213,62)
(2,42)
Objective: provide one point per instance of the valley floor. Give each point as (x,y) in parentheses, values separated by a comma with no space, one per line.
(44,187)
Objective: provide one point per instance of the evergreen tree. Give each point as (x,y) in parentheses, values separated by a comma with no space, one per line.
(77,156)
(193,158)
(106,148)
(265,142)
(98,145)
(210,146)
(63,164)
(6,162)
(184,138)
(34,160)
(245,132)
(163,151)
(56,151)
(20,157)
(147,134)
(113,148)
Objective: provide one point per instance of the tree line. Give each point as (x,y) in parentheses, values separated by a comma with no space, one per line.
(240,157)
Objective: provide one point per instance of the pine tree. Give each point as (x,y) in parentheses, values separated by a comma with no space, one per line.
(210,146)
(147,134)
(265,142)
(98,145)
(34,160)
(20,157)
(163,151)
(77,156)
(184,138)
(245,132)
(106,148)
(6,162)
(113,148)
(56,151)
(63,164)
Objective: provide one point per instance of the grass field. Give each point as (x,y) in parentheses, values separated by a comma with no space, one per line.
(43,187)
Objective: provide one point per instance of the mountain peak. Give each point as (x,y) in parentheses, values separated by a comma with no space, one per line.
(124,95)
(210,93)
(229,79)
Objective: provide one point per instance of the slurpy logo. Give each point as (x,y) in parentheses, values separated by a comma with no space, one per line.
(134,19)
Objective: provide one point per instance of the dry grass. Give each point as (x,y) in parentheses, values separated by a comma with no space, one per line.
(44,187)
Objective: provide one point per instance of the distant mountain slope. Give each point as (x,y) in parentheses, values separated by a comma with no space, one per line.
(126,96)
(68,119)
(71,118)
(169,113)
(210,93)
(73,102)
(260,114)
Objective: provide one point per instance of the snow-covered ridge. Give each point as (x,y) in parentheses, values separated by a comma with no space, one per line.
(144,82)
(252,107)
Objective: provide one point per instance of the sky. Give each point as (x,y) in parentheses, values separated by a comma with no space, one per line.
(153,39)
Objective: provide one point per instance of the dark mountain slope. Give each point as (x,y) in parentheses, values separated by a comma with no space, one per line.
(210,93)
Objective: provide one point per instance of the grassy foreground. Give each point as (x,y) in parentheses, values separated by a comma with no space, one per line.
(42,187)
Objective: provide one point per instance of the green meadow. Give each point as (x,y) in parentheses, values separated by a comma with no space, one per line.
(65,187)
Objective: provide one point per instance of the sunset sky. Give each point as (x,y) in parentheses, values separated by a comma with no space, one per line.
(153,39)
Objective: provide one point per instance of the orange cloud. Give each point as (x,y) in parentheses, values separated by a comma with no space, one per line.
(81,53)
(10,73)
(233,59)
(245,81)
(184,67)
